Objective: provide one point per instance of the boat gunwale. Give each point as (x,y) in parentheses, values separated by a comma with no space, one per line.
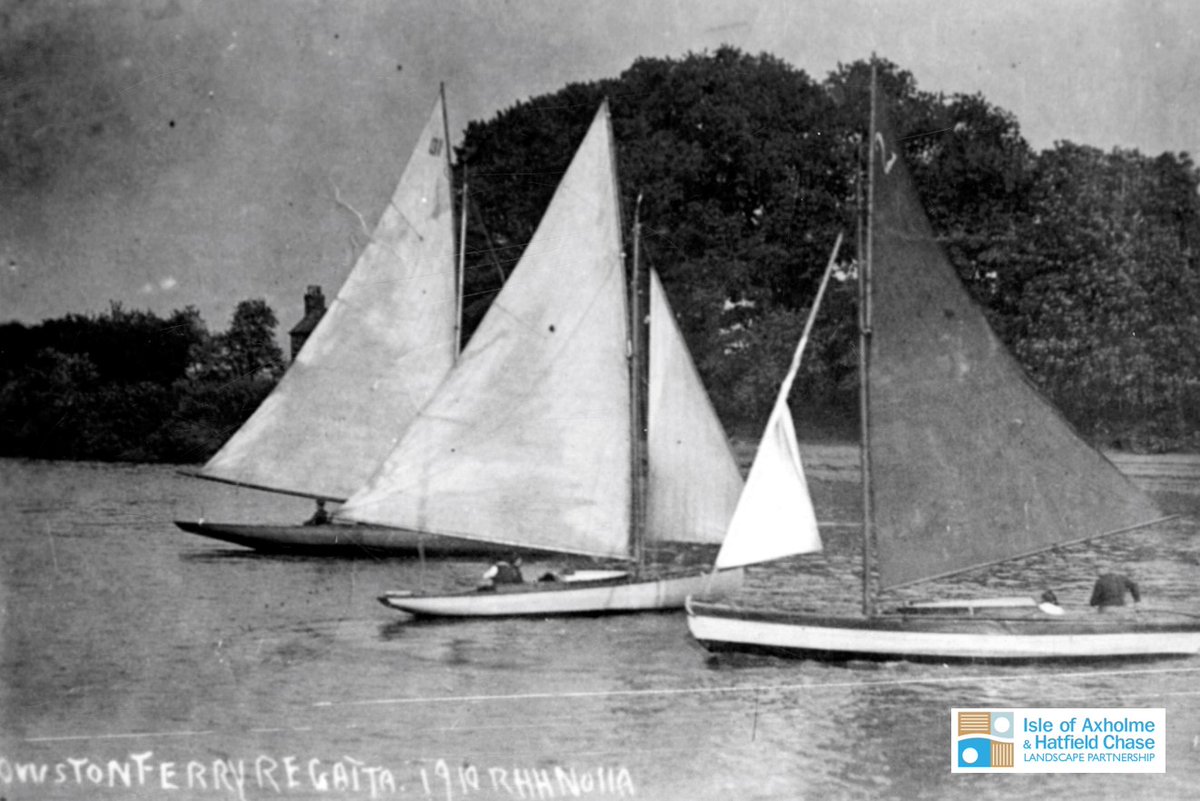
(830,656)
(1052,625)
(536,586)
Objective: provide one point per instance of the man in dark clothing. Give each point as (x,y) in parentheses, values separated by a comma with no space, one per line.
(1110,591)
(504,573)
(320,517)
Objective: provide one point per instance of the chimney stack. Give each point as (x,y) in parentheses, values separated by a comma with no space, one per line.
(314,309)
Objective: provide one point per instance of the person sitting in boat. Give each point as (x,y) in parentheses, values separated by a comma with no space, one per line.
(1109,591)
(320,517)
(503,573)
(1048,603)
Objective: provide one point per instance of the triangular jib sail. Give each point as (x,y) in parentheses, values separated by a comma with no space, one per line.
(969,463)
(693,481)
(775,515)
(384,345)
(528,440)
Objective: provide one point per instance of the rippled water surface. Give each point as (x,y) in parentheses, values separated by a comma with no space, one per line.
(221,674)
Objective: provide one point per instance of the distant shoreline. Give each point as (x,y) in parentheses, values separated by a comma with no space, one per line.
(832,455)
(839,461)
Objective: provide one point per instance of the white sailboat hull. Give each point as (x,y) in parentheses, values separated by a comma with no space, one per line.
(568,598)
(944,637)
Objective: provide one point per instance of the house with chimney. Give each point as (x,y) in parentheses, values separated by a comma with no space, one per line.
(314,310)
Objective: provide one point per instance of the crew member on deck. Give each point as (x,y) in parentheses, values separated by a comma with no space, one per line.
(1048,603)
(320,517)
(1109,591)
(504,573)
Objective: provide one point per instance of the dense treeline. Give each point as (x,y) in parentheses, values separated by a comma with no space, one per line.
(129,385)
(1083,259)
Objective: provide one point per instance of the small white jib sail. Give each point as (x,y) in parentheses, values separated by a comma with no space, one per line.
(775,516)
(528,441)
(382,348)
(694,482)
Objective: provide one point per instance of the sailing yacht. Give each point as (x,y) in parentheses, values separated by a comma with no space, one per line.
(386,343)
(535,439)
(964,464)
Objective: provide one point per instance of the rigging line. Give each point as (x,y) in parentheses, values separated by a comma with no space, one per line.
(532,172)
(388,282)
(487,235)
(515,245)
(403,216)
(921,134)
(676,691)
(567,238)
(482,292)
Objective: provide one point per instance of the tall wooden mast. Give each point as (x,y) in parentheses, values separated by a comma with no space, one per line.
(864,365)
(637,390)
(462,237)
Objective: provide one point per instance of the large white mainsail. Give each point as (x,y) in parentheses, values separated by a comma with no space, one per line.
(382,348)
(693,478)
(528,440)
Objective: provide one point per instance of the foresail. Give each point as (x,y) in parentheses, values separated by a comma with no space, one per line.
(774,516)
(693,478)
(527,442)
(384,345)
(969,463)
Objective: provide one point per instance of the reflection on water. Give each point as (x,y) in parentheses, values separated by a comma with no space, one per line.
(123,635)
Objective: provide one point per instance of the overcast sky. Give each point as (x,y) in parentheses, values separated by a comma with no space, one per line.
(162,153)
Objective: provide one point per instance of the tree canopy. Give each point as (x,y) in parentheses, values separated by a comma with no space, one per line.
(131,385)
(1083,259)
(748,169)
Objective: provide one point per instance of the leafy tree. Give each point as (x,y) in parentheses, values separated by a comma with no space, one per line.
(247,350)
(253,350)
(128,385)
(749,169)
(207,412)
(45,406)
(1110,289)
(92,387)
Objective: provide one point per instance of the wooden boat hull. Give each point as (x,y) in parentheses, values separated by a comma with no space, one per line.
(344,540)
(568,598)
(934,637)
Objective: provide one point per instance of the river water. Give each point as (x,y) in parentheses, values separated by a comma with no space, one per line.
(138,661)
